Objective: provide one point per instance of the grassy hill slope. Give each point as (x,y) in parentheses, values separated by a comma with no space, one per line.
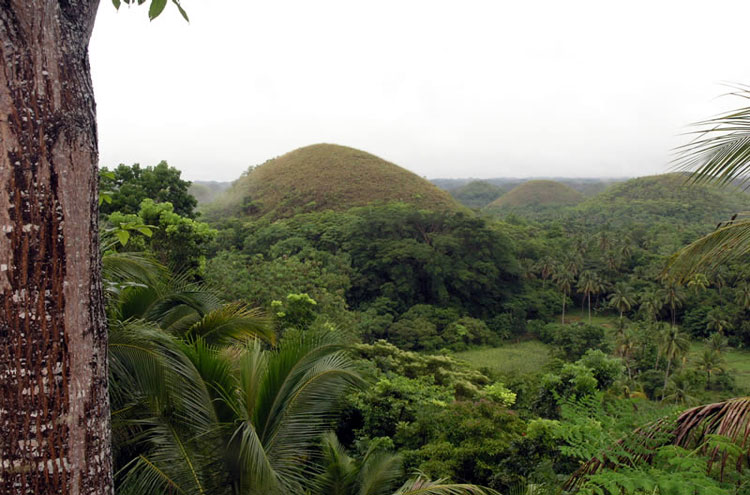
(326,176)
(538,193)
(661,197)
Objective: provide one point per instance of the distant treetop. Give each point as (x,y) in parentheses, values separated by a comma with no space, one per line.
(128,185)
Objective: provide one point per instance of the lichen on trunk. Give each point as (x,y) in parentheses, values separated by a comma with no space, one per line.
(54,409)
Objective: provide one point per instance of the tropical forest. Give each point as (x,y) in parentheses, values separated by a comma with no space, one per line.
(426,293)
(331,323)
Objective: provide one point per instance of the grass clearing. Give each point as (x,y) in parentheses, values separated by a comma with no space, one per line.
(524,357)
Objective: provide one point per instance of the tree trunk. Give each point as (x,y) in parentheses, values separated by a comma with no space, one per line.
(666,380)
(54,406)
(563,311)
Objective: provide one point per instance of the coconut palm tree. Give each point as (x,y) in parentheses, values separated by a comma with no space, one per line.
(589,283)
(710,362)
(651,303)
(673,297)
(546,269)
(625,345)
(238,419)
(717,321)
(673,344)
(717,343)
(378,473)
(698,282)
(742,295)
(564,279)
(622,297)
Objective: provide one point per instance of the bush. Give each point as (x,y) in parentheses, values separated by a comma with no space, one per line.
(572,341)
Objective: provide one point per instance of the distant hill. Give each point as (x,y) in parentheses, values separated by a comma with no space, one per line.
(663,197)
(537,193)
(586,186)
(325,176)
(206,191)
(477,194)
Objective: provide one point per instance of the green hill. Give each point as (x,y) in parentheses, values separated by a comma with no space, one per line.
(663,197)
(477,194)
(537,193)
(322,177)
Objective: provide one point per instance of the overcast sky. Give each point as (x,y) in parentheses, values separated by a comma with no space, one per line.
(445,89)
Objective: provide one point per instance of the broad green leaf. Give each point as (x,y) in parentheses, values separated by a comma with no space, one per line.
(146,231)
(182,11)
(116,3)
(156,8)
(123,236)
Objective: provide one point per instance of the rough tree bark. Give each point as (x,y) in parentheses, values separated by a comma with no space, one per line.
(54,408)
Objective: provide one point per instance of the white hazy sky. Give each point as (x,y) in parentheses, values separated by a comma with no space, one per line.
(445,89)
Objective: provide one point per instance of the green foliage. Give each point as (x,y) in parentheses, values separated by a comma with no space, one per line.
(572,341)
(176,241)
(298,311)
(127,186)
(465,440)
(240,421)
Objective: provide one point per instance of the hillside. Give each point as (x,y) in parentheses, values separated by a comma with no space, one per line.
(663,197)
(477,194)
(537,193)
(322,177)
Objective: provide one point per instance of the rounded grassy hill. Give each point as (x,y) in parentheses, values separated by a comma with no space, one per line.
(326,176)
(537,193)
(664,196)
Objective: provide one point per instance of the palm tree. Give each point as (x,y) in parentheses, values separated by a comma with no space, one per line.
(622,297)
(709,362)
(546,269)
(378,473)
(742,295)
(239,419)
(717,321)
(698,282)
(626,343)
(672,345)
(673,297)
(589,283)
(679,390)
(564,280)
(717,343)
(651,303)
(719,154)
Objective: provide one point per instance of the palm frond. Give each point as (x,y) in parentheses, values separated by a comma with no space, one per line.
(421,485)
(231,323)
(720,150)
(339,470)
(171,463)
(379,473)
(137,362)
(692,429)
(726,243)
(132,267)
